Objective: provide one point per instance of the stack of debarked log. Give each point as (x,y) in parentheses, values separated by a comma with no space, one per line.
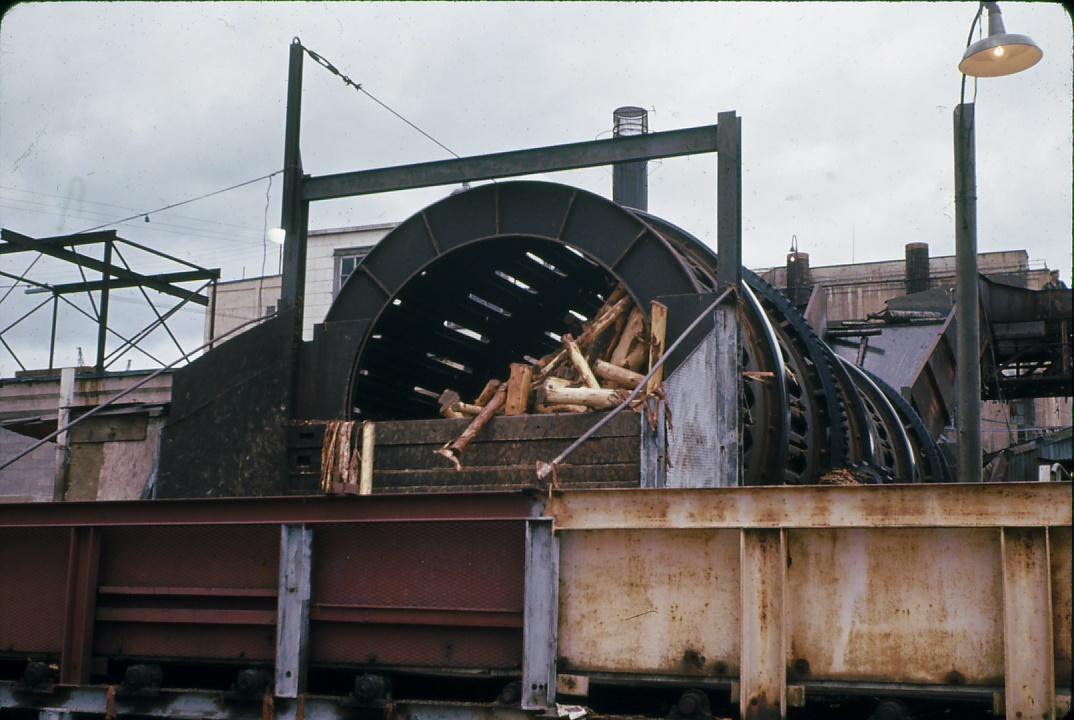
(594,371)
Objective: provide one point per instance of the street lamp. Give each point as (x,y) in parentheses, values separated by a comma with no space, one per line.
(1001,53)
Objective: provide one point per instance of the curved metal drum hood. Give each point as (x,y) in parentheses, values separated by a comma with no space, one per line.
(488,276)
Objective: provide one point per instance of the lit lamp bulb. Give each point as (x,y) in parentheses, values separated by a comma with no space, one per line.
(1001,53)
(276,235)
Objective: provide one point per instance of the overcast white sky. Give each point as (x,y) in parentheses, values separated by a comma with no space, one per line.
(107,109)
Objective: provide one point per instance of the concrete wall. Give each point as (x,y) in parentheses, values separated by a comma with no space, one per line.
(237,299)
(29,479)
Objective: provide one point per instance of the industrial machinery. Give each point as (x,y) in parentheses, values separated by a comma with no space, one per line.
(487,593)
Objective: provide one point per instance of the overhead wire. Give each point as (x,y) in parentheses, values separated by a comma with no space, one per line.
(82,201)
(180,203)
(320,60)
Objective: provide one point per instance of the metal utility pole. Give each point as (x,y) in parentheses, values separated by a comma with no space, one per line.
(966,299)
(630,180)
(292,215)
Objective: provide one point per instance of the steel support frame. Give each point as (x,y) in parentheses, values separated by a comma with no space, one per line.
(1022,515)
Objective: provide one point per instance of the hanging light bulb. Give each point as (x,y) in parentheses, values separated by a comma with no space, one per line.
(1001,53)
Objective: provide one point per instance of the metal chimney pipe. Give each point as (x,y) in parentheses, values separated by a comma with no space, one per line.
(917,267)
(630,180)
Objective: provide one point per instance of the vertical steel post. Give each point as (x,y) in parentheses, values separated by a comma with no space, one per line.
(1028,637)
(630,180)
(966,303)
(541,616)
(729,272)
(293,609)
(292,217)
(102,320)
(212,314)
(52,332)
(80,605)
(763,661)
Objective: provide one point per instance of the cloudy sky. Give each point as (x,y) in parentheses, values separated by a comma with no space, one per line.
(109,109)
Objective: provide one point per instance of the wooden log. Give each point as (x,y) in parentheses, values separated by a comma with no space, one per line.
(326,457)
(486,394)
(578,360)
(636,359)
(455,449)
(463,409)
(594,328)
(658,325)
(369,440)
(597,399)
(447,399)
(559,409)
(613,338)
(622,376)
(518,389)
(633,330)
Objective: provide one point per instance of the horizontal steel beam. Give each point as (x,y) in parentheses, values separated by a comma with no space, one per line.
(271,510)
(672,143)
(61,253)
(61,241)
(1028,504)
(93,285)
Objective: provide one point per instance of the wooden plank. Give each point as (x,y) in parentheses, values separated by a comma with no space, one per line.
(1028,652)
(518,389)
(541,616)
(508,477)
(293,609)
(727,381)
(369,437)
(658,326)
(692,439)
(525,427)
(527,452)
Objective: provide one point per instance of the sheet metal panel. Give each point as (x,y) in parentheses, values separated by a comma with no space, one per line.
(650,601)
(895,605)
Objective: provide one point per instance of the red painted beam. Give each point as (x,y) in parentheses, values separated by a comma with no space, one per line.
(310,510)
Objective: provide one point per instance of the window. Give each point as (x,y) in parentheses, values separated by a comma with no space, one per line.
(347,260)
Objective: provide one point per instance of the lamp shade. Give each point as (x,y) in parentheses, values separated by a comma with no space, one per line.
(1001,53)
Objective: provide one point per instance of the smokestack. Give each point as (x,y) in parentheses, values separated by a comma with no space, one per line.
(630,180)
(798,287)
(917,267)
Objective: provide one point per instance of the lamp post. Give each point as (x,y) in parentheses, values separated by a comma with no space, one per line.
(1001,53)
